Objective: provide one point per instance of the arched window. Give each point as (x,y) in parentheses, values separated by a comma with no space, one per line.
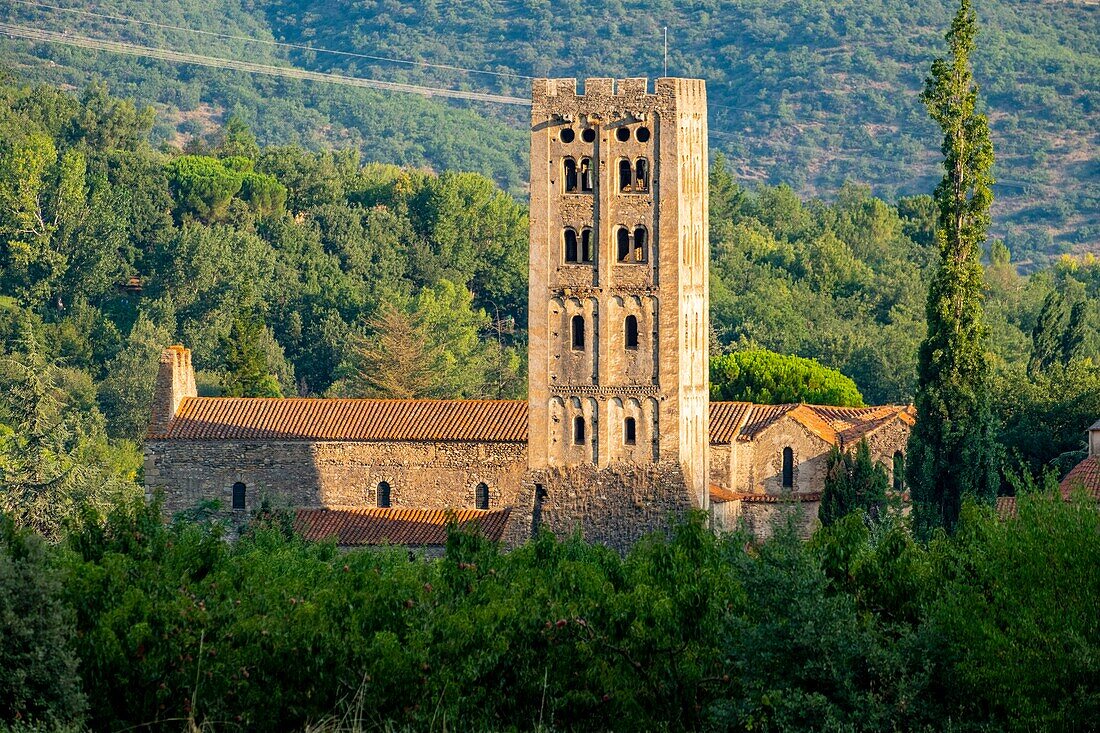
(570,236)
(587,251)
(788,468)
(641,174)
(622,237)
(481,496)
(641,239)
(383,495)
(578,332)
(899,471)
(238,495)
(578,430)
(569,174)
(630,431)
(587,174)
(625,175)
(630,332)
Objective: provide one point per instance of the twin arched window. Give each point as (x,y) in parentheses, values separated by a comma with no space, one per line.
(576,176)
(633,178)
(632,247)
(578,250)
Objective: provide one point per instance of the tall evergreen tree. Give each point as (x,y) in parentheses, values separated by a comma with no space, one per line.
(952,452)
(853,481)
(1049,334)
(247,373)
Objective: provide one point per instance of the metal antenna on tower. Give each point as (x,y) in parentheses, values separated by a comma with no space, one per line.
(666,51)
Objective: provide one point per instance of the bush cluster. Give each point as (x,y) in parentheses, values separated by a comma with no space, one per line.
(994,628)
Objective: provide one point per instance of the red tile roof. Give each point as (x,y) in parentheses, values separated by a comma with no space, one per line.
(352,526)
(718,495)
(751,498)
(835,425)
(244,418)
(1085,475)
(475,421)
(726,419)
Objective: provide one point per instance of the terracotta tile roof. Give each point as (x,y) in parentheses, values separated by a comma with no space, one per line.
(353,526)
(750,498)
(835,425)
(1095,426)
(492,421)
(243,418)
(718,495)
(1085,475)
(726,419)
(761,418)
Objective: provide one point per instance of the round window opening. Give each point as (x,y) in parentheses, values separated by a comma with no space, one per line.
(622,134)
(567,135)
(642,134)
(588,135)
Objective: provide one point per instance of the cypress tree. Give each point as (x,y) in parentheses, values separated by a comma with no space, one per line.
(853,481)
(952,452)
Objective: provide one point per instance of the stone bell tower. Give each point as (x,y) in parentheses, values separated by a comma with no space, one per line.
(618,290)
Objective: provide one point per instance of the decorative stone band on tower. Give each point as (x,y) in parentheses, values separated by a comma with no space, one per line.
(618,388)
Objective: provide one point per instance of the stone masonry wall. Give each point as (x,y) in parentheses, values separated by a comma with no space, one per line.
(306,474)
(615,507)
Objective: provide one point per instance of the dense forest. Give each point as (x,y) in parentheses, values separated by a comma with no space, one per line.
(806,94)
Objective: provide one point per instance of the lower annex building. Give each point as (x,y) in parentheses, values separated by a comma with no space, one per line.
(617,435)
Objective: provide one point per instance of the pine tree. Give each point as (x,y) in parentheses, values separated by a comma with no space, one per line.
(395,361)
(247,373)
(952,452)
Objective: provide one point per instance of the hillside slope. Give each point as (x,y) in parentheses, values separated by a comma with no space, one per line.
(802,92)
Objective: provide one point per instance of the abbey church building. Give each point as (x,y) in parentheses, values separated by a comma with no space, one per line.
(617,435)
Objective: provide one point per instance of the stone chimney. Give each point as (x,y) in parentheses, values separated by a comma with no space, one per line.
(175,381)
(1094,440)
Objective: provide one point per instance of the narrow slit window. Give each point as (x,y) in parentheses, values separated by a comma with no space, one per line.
(625,176)
(641,174)
(630,431)
(622,235)
(630,332)
(899,471)
(569,174)
(481,496)
(587,252)
(788,468)
(641,237)
(578,333)
(383,495)
(578,430)
(238,495)
(570,236)
(587,175)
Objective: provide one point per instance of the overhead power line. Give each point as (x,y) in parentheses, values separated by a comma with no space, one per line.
(163,54)
(266,42)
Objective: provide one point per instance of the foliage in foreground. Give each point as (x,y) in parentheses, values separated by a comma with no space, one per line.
(993,628)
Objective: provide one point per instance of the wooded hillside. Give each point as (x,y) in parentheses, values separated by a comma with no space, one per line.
(802,93)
